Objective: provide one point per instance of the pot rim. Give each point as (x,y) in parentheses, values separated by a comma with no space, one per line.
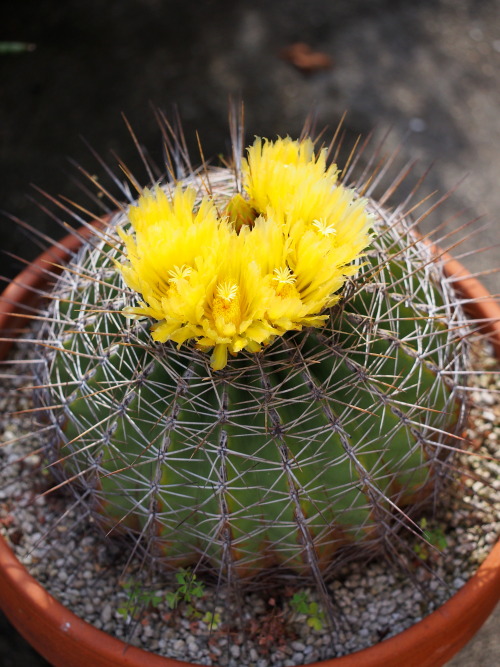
(61,636)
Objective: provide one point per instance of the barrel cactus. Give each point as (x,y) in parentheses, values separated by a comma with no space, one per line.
(255,369)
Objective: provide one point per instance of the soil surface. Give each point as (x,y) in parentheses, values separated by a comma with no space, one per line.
(427,71)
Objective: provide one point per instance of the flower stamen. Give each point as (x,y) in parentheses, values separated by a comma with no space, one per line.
(284,276)
(227,291)
(179,273)
(323,228)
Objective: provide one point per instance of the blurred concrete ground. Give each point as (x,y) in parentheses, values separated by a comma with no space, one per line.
(484,649)
(428,70)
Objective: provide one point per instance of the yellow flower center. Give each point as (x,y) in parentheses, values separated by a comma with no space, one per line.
(226,304)
(227,291)
(179,273)
(284,276)
(285,279)
(323,228)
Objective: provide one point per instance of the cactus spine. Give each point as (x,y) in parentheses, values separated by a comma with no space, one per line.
(326,442)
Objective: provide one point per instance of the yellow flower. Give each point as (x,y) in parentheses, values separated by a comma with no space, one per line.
(271,262)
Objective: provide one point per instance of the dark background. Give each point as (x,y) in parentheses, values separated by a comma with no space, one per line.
(429,71)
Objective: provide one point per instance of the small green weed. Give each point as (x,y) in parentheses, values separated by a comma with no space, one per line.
(212,619)
(137,599)
(435,536)
(188,590)
(301,604)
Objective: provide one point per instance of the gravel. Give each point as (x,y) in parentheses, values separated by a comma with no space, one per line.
(61,547)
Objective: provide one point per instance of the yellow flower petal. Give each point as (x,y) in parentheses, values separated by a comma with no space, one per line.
(272,261)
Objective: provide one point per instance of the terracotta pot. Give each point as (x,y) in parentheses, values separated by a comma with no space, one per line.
(67,641)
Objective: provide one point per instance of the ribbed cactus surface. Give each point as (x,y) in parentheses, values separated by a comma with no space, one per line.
(329,438)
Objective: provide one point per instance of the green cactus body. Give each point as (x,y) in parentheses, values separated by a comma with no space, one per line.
(327,439)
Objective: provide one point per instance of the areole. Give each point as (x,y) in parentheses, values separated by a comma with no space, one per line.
(67,641)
